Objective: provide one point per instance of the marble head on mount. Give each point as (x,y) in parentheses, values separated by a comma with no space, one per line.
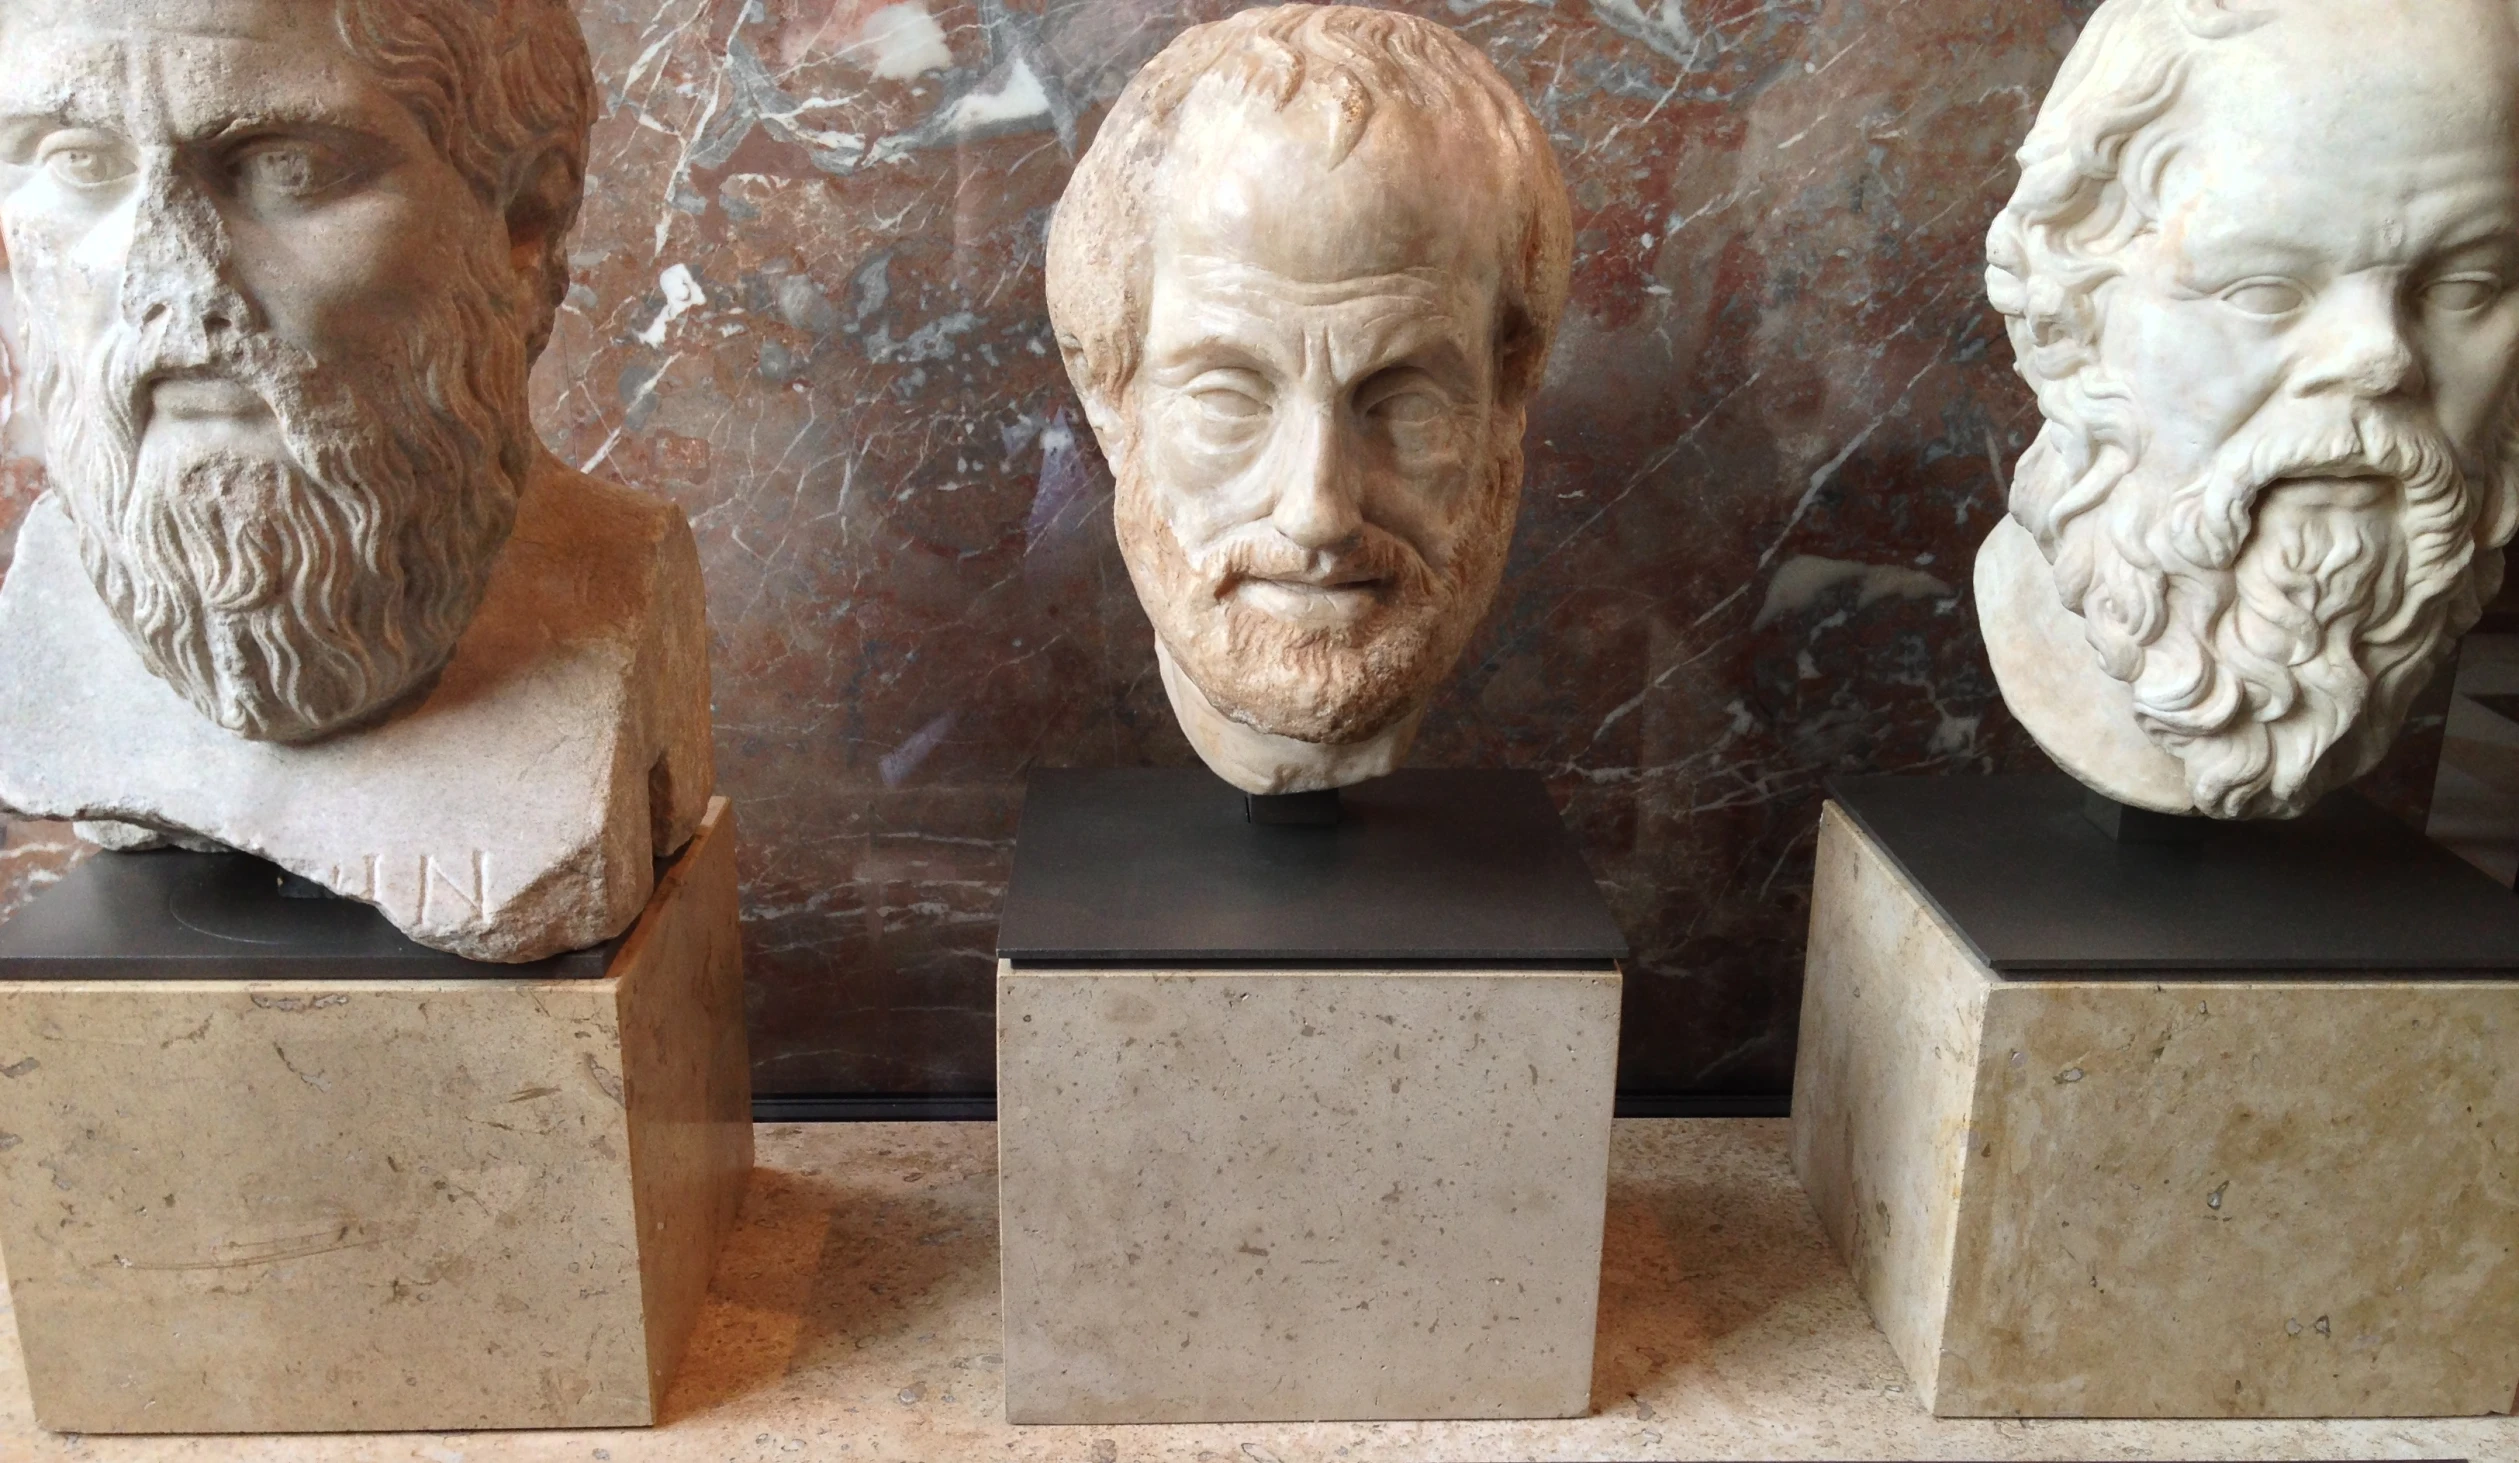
(305,582)
(1305,281)
(2262,269)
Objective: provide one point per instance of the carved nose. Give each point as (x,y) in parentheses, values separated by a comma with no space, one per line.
(1318,507)
(2382,372)
(2362,349)
(214,318)
(2372,363)
(178,273)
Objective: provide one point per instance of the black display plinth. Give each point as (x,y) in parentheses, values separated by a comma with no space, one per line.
(171,915)
(2038,890)
(1162,866)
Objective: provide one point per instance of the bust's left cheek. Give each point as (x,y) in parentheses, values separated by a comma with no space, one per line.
(1449,445)
(2473,368)
(369,230)
(2495,338)
(32,224)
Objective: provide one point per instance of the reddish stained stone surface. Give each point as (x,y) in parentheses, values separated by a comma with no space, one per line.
(33,857)
(1776,428)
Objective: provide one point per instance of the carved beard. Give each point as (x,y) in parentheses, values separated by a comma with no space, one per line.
(287,597)
(2274,646)
(1330,687)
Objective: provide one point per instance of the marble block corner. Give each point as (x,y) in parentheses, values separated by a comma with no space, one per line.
(2174,1197)
(335,1205)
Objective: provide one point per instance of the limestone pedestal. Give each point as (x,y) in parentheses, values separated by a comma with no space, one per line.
(2170,1181)
(1257,1164)
(277,1169)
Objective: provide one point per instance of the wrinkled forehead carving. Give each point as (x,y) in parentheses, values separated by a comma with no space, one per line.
(2371,99)
(1348,80)
(2146,72)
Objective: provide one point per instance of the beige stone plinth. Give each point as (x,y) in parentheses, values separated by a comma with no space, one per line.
(1290,1194)
(2159,1198)
(331,1205)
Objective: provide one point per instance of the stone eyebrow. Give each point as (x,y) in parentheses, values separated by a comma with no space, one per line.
(61,112)
(2500,231)
(22,127)
(53,109)
(304,115)
(2245,233)
(2244,248)
(1405,333)
(1218,352)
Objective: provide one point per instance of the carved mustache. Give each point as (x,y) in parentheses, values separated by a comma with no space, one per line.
(2421,462)
(1376,557)
(130,365)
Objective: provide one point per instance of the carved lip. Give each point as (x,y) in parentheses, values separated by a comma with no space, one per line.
(1335,579)
(203,396)
(2347,486)
(1327,601)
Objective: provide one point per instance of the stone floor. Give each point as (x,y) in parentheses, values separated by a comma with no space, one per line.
(855,1317)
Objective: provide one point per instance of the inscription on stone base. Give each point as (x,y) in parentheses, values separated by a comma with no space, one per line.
(428,1202)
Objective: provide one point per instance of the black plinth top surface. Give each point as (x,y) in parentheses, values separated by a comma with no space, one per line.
(171,915)
(2346,891)
(1146,866)
(2502,705)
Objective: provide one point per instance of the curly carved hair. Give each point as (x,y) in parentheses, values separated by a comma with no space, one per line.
(2259,731)
(1364,62)
(506,91)
(2089,185)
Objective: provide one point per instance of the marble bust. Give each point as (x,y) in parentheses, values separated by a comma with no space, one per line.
(305,583)
(2260,270)
(1305,281)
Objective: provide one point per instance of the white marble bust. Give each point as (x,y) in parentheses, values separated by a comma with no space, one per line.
(1305,281)
(2262,269)
(305,583)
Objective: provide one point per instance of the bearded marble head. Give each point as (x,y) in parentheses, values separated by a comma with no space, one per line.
(2262,269)
(1305,281)
(282,267)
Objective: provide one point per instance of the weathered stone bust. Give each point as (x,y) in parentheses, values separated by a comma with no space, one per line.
(1305,281)
(2260,269)
(306,584)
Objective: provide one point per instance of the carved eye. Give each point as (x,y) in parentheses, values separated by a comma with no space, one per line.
(2268,298)
(1228,398)
(2462,293)
(1408,408)
(1230,406)
(86,160)
(287,169)
(1401,398)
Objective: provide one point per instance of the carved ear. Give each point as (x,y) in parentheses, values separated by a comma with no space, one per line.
(540,208)
(542,204)
(8,336)
(1102,411)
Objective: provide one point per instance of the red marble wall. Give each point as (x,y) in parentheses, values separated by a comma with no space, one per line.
(809,308)
(1770,443)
